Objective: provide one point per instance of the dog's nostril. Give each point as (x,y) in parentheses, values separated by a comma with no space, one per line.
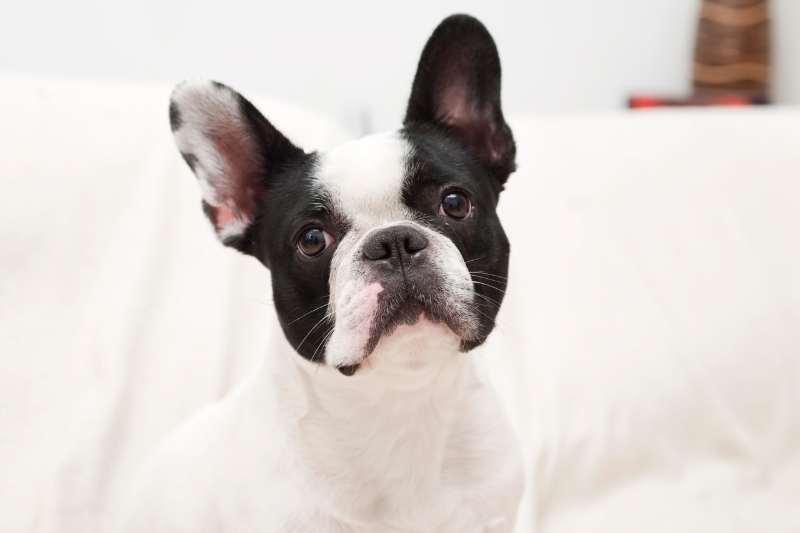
(414,242)
(377,249)
(392,242)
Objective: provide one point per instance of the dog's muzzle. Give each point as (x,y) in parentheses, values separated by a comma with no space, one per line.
(400,259)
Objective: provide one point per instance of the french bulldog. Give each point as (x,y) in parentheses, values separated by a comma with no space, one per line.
(388,265)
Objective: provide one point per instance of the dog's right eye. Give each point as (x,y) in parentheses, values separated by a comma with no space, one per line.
(313,242)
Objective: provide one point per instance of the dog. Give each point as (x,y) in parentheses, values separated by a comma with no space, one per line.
(388,265)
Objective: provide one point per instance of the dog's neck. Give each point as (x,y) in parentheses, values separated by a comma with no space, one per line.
(386,429)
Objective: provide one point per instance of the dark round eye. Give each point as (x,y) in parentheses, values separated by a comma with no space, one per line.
(456,205)
(313,242)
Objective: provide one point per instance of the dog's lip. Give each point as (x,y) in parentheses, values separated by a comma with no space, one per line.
(413,310)
(348,370)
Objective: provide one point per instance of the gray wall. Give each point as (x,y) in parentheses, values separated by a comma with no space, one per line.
(355,59)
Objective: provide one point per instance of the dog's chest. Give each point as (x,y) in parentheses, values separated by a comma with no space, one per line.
(444,469)
(307,504)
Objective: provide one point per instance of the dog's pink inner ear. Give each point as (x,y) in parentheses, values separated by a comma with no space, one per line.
(224,216)
(238,184)
(453,106)
(472,122)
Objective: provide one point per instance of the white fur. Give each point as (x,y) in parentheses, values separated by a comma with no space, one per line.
(365,178)
(414,442)
(300,448)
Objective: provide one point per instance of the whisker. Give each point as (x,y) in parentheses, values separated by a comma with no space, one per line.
(320,363)
(488,274)
(327,316)
(495,302)
(500,324)
(489,280)
(490,286)
(471,260)
(492,319)
(301,316)
(323,341)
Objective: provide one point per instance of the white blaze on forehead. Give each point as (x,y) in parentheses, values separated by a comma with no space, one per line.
(364,178)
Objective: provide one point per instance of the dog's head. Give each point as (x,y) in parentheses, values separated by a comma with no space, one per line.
(383,245)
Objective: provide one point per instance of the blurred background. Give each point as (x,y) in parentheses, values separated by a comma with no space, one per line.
(354,59)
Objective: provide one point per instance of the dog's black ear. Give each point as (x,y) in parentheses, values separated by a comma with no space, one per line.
(457,90)
(234,151)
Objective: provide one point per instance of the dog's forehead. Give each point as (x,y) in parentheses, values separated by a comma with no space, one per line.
(365,178)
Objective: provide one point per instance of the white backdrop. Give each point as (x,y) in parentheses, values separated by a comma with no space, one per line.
(354,59)
(647,347)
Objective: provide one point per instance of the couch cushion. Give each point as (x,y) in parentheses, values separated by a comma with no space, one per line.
(649,343)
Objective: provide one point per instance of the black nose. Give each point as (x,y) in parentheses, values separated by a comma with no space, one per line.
(394,243)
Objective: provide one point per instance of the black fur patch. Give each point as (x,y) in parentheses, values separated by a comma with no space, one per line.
(191,160)
(438,165)
(299,286)
(457,91)
(461,142)
(174,117)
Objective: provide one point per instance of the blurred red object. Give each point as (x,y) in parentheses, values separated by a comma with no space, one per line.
(699,99)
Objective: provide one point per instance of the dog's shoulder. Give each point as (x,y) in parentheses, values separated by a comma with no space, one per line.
(199,473)
(173,485)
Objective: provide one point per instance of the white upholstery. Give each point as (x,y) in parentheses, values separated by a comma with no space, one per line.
(649,345)
(653,320)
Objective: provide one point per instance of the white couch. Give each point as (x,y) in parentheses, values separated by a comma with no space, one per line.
(648,349)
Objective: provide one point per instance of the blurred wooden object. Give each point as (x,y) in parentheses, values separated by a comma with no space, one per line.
(732,50)
(731,57)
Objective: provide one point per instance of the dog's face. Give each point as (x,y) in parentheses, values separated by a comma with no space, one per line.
(385,239)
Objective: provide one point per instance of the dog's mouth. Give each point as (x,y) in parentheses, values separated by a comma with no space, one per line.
(407,309)
(399,310)
(389,316)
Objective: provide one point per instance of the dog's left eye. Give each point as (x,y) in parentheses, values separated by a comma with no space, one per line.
(313,242)
(455,205)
